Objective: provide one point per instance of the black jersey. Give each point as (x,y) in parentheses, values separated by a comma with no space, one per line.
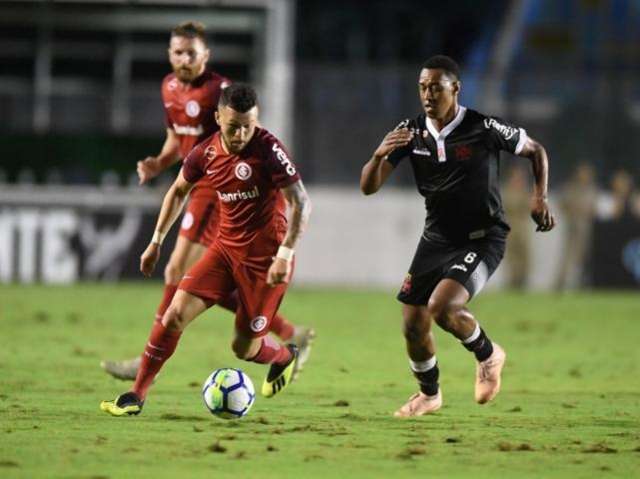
(457,172)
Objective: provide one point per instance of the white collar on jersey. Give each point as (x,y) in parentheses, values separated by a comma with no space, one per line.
(440,136)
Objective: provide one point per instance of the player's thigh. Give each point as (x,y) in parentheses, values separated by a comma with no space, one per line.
(210,278)
(184,255)
(473,265)
(184,308)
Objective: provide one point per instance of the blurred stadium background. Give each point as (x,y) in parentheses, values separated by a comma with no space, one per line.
(80,103)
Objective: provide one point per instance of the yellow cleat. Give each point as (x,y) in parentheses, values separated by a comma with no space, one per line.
(126,404)
(280,376)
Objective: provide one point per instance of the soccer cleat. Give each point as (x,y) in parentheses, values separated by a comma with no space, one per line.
(126,404)
(280,376)
(125,370)
(420,404)
(303,340)
(488,375)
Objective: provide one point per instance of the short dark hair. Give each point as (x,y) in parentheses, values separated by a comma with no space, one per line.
(190,30)
(445,63)
(240,97)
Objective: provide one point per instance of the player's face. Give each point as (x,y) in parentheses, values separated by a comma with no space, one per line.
(236,128)
(188,57)
(438,92)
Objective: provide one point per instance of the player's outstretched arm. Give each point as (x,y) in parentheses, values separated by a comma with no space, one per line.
(172,205)
(152,166)
(376,171)
(300,209)
(540,211)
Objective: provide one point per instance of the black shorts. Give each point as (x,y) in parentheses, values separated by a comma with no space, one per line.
(470,264)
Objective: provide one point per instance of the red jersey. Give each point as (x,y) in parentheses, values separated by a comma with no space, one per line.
(190,107)
(248,184)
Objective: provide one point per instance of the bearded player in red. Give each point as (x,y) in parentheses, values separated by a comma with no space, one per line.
(190,95)
(254,179)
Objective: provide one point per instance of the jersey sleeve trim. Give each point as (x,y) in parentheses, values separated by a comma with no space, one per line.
(522,139)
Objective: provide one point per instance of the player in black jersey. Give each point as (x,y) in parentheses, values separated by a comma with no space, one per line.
(454,153)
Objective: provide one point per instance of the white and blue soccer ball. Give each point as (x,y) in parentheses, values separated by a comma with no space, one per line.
(228,393)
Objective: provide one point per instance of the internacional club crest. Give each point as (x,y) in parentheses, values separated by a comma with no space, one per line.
(258,324)
(243,171)
(192,108)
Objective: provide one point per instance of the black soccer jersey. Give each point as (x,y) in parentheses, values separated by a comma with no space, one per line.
(457,172)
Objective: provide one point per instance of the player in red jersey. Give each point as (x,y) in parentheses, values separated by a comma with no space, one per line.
(190,95)
(254,178)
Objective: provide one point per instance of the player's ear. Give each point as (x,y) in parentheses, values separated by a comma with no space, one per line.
(217,117)
(207,55)
(456,87)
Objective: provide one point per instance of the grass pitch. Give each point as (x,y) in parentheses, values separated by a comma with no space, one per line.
(570,405)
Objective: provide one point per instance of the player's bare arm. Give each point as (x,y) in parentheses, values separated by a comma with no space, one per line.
(172,205)
(152,166)
(300,209)
(376,171)
(540,211)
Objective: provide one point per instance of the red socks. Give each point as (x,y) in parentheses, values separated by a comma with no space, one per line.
(160,346)
(272,352)
(279,326)
(167,296)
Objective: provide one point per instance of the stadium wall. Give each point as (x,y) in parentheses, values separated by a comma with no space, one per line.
(70,234)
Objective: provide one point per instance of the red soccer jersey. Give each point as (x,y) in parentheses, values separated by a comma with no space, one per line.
(252,208)
(190,107)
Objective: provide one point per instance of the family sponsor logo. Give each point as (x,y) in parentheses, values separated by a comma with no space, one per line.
(239,195)
(506,131)
(192,108)
(188,130)
(243,171)
(284,159)
(258,324)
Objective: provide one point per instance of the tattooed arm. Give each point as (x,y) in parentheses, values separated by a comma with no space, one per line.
(300,209)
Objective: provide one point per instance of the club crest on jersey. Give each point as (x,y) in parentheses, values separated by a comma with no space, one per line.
(406,285)
(463,152)
(258,324)
(210,152)
(192,108)
(243,171)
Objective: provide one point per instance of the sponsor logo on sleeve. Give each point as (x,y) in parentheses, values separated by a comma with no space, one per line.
(284,160)
(506,131)
(210,152)
(172,84)
(192,108)
(243,171)
(188,130)
(258,324)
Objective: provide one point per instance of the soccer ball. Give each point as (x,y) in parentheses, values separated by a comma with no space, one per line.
(228,393)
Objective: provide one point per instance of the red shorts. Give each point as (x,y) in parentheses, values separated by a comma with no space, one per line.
(200,220)
(221,270)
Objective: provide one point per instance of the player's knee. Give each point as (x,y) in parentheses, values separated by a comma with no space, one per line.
(241,348)
(416,324)
(444,313)
(173,272)
(174,318)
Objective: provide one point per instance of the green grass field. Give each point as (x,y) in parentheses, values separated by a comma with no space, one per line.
(570,405)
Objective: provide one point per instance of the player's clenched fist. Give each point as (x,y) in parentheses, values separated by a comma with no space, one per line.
(279,272)
(541,214)
(148,169)
(392,140)
(149,259)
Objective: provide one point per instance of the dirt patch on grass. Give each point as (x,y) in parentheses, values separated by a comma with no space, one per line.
(599,448)
(169,416)
(411,452)
(217,448)
(9,464)
(341,403)
(508,447)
